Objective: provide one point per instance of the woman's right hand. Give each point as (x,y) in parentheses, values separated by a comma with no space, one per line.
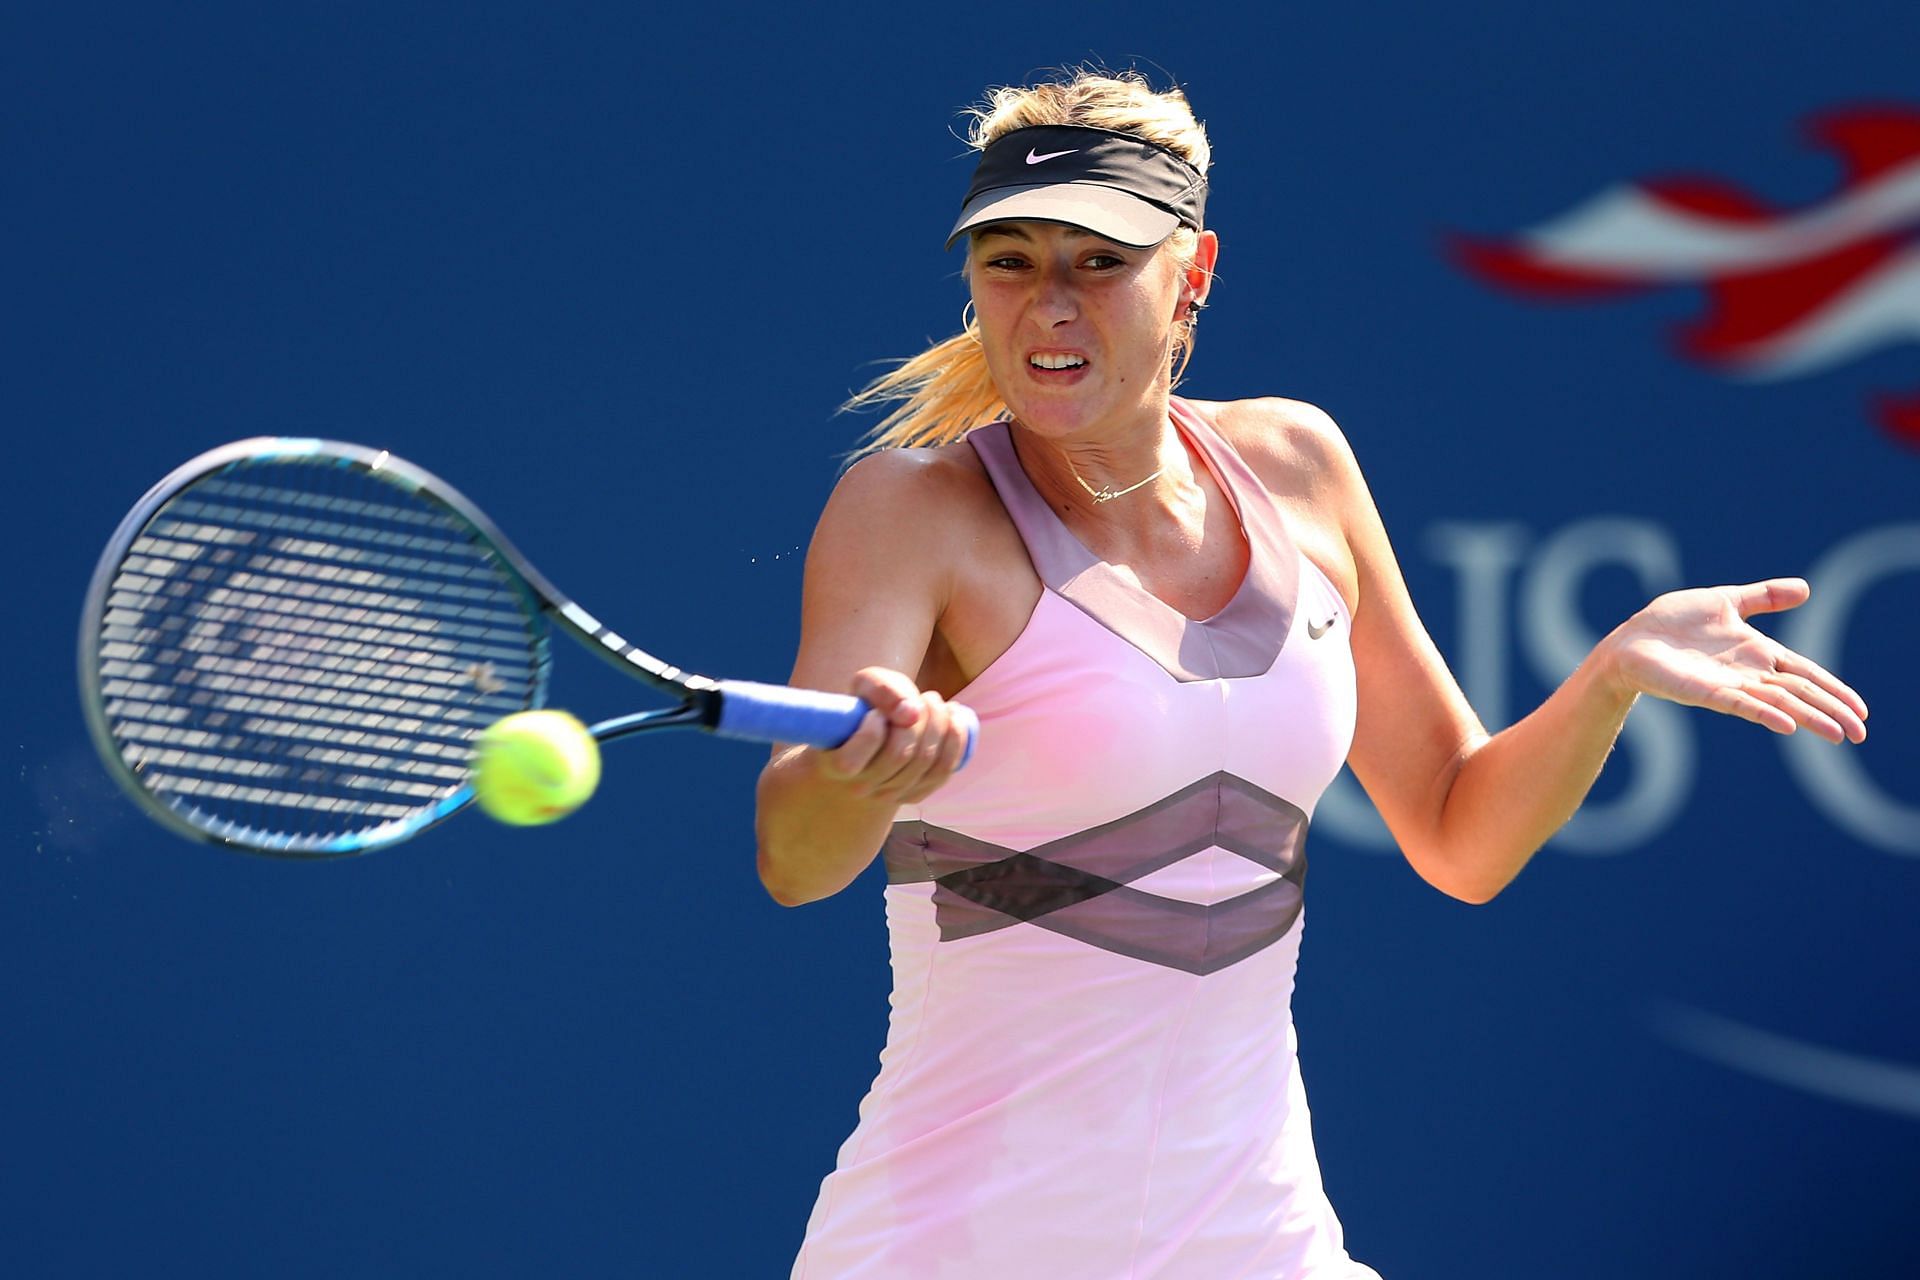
(905,748)
(879,578)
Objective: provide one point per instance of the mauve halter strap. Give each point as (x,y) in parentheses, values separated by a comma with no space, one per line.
(1242,640)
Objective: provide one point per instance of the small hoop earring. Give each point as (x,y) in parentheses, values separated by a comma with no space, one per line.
(970,321)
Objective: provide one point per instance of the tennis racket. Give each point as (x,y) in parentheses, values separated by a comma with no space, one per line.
(290,645)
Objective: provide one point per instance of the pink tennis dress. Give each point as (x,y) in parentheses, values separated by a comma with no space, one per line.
(1090,1067)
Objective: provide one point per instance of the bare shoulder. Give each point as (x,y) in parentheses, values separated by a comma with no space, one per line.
(906,498)
(950,470)
(906,516)
(1302,457)
(914,566)
(1296,447)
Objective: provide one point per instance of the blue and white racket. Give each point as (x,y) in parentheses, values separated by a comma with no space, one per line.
(290,646)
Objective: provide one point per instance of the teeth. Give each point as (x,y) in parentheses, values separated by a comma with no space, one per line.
(1045,361)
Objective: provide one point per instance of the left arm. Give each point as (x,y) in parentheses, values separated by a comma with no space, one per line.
(1469,808)
(1509,792)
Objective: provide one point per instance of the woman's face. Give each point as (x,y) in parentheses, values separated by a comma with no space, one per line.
(1078,330)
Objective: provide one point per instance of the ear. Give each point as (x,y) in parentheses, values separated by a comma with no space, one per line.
(1206,256)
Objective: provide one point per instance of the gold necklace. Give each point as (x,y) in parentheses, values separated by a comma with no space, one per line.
(1107,493)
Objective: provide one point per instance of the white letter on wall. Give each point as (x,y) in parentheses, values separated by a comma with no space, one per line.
(1832,777)
(1556,638)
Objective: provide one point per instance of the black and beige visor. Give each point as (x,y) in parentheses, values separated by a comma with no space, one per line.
(1115,185)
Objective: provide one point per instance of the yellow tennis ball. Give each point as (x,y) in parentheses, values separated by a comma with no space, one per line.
(534,767)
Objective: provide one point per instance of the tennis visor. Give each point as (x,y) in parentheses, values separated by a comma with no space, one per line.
(1113,184)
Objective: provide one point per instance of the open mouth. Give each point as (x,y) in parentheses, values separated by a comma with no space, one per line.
(1056,361)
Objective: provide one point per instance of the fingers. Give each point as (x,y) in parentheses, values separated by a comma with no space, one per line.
(857,753)
(1785,703)
(1797,712)
(895,703)
(1816,708)
(906,746)
(943,747)
(1748,705)
(1794,664)
(1805,693)
(1770,596)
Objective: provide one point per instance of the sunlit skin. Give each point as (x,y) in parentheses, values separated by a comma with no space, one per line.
(917,582)
(1047,289)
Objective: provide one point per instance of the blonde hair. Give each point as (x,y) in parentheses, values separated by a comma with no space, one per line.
(946,391)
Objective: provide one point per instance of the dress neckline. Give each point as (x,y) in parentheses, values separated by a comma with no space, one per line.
(1241,639)
(1205,455)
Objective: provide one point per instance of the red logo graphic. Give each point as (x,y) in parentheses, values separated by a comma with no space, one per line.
(1789,291)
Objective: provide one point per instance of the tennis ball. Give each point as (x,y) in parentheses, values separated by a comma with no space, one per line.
(534,767)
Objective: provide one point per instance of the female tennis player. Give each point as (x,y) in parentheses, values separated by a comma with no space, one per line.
(1176,620)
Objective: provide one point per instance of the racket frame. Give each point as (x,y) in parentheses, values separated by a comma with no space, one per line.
(700,704)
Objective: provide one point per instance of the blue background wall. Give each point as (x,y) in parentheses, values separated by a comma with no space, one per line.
(611,273)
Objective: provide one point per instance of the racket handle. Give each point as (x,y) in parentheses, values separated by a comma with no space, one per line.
(778,713)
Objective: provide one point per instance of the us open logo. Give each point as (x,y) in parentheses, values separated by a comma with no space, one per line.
(1789,292)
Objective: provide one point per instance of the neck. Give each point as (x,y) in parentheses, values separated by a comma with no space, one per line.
(1109,469)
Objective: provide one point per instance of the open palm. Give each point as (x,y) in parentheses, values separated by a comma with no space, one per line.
(1696,647)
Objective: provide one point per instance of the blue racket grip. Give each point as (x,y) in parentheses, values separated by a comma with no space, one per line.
(777,713)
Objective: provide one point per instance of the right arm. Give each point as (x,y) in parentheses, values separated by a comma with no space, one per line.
(879,575)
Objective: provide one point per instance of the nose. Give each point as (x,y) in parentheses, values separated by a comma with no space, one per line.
(1054,301)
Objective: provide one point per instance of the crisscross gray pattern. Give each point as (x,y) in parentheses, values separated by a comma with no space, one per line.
(1080,886)
(301,649)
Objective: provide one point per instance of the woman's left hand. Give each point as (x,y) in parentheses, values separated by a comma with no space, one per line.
(1696,647)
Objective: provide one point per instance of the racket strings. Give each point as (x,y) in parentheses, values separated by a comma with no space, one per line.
(308,609)
(304,651)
